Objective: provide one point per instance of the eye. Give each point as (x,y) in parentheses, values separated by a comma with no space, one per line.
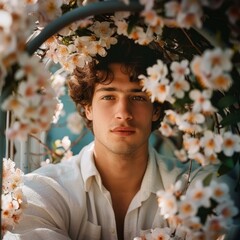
(108,97)
(138,98)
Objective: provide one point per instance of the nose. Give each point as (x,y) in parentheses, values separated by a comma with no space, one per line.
(123,110)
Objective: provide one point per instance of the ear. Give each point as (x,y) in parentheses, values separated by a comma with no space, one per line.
(88,111)
(156,113)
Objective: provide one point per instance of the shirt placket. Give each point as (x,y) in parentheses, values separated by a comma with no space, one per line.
(112,227)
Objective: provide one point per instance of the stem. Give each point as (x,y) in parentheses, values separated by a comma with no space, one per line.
(190,40)
(41,142)
(76,141)
(218,124)
(188,174)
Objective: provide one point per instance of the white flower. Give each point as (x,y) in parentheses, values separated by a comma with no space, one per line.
(161,93)
(216,61)
(210,69)
(6,20)
(179,87)
(190,14)
(181,155)
(14,103)
(140,36)
(8,46)
(28,89)
(199,194)
(161,233)
(187,208)
(220,191)
(13,200)
(211,143)
(49,10)
(190,122)
(215,227)
(18,131)
(212,159)
(107,42)
(96,47)
(166,129)
(156,84)
(221,82)
(191,144)
(202,101)
(58,84)
(66,143)
(231,143)
(122,27)
(192,223)
(152,19)
(199,157)
(75,123)
(200,75)
(171,116)
(102,29)
(157,71)
(167,203)
(63,51)
(227,209)
(179,69)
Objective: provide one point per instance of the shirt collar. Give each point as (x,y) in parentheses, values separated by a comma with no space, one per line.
(151,183)
(88,167)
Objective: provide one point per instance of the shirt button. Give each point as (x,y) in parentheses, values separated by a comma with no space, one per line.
(112,230)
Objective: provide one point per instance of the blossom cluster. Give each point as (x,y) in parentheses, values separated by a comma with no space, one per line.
(211,71)
(185,212)
(197,89)
(31,99)
(78,43)
(61,151)
(13,199)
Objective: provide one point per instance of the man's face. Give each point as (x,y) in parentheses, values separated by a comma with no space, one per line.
(121,114)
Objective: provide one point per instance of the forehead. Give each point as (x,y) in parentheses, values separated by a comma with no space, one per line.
(119,78)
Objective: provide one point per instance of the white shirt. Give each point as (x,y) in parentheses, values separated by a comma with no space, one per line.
(69,201)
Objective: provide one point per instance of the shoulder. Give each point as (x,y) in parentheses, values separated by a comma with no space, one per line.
(169,168)
(172,170)
(61,177)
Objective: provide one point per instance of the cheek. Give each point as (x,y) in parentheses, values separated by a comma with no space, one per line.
(101,114)
(145,112)
(144,115)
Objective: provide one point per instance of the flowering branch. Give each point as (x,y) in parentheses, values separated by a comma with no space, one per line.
(198,79)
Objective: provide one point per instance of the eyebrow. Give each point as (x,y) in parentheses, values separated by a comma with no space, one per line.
(113,89)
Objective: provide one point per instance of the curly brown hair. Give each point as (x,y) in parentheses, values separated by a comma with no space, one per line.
(135,59)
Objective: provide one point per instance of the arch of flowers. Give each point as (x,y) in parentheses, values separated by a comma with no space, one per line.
(201,81)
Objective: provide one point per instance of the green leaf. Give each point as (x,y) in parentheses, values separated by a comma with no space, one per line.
(132,23)
(226,166)
(232,118)
(204,212)
(226,101)
(207,179)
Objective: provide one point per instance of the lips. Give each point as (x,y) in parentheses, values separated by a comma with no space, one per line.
(123,131)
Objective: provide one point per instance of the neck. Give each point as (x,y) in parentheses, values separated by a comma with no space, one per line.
(121,172)
(122,176)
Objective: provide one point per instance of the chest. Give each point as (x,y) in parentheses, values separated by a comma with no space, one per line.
(106,212)
(120,204)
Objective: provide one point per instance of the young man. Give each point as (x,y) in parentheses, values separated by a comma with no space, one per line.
(107,191)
